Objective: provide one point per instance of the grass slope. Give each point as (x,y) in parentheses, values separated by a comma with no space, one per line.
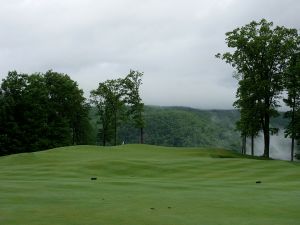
(140,184)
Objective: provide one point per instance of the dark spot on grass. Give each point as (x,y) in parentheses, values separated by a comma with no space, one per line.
(169,207)
(152,208)
(258,182)
(93,178)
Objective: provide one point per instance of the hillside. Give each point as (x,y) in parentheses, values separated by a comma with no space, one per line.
(187,127)
(140,184)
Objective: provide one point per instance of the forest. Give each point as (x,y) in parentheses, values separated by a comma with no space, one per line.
(186,127)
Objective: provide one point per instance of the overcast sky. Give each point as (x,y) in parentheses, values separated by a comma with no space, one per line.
(172,41)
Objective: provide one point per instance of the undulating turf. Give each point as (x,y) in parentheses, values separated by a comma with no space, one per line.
(140,184)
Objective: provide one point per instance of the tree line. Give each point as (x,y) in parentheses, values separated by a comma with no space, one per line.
(267,64)
(41,111)
(47,110)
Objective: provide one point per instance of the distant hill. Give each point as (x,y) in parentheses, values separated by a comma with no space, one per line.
(187,127)
(179,126)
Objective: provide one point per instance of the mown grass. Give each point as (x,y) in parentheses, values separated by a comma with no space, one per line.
(140,184)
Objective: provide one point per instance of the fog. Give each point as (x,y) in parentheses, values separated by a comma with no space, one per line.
(280,147)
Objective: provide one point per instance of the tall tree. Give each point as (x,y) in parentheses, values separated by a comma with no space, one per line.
(12,113)
(247,102)
(292,86)
(35,100)
(132,83)
(108,98)
(117,101)
(98,99)
(66,107)
(262,52)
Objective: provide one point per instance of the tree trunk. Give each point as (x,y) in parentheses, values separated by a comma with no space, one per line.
(293,129)
(252,145)
(104,138)
(245,141)
(142,136)
(115,128)
(292,149)
(73,135)
(242,151)
(266,131)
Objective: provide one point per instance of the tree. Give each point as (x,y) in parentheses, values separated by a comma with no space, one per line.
(249,118)
(117,101)
(41,111)
(108,98)
(66,109)
(262,53)
(35,100)
(292,86)
(12,113)
(98,99)
(132,83)
(3,136)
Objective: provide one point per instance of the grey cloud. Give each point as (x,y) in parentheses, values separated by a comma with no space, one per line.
(173,42)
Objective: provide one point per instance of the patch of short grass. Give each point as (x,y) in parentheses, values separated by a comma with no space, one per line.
(141,184)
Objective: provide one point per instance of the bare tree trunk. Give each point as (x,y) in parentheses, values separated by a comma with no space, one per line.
(293,130)
(266,131)
(252,145)
(292,149)
(243,146)
(142,136)
(104,137)
(244,143)
(73,135)
(115,128)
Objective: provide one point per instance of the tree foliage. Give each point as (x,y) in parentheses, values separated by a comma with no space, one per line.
(132,83)
(108,100)
(292,86)
(260,57)
(118,101)
(41,111)
(249,123)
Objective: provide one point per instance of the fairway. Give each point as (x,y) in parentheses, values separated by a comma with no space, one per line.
(141,184)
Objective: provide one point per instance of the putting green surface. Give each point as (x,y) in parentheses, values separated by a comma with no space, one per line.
(140,184)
